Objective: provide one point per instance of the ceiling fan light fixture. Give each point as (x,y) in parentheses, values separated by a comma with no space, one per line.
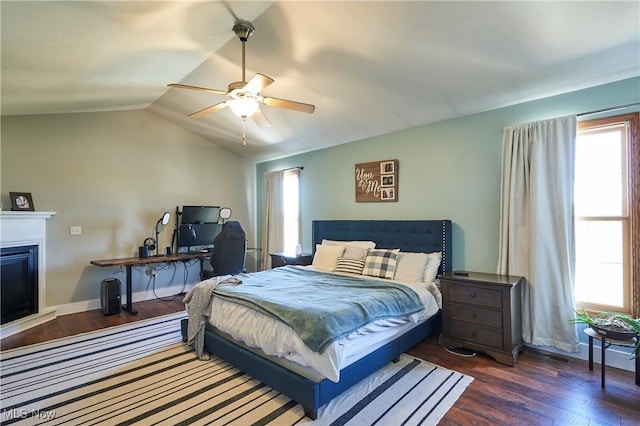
(243,108)
(245,95)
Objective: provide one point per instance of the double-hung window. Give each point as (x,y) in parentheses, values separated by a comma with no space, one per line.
(605,201)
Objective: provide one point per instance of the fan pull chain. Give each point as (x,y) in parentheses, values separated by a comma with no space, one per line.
(244,124)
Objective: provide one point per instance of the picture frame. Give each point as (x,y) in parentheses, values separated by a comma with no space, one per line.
(376,181)
(387,167)
(388,193)
(21,201)
(387,180)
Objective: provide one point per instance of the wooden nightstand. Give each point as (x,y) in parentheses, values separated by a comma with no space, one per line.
(482,312)
(282,259)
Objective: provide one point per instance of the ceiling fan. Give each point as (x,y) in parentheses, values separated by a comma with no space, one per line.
(245,95)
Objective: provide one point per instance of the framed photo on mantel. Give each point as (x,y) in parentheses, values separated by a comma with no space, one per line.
(377,181)
(21,201)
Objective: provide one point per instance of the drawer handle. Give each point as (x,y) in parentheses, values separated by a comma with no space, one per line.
(473,295)
(474,334)
(473,315)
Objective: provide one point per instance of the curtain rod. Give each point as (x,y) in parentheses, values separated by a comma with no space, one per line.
(609,109)
(286,170)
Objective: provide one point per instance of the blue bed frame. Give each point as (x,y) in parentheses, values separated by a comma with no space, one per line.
(408,235)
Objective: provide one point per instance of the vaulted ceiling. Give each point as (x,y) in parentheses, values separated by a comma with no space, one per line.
(369,67)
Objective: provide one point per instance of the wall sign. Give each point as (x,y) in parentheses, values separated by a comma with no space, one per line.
(377,181)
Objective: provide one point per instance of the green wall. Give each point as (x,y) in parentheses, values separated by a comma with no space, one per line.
(449,169)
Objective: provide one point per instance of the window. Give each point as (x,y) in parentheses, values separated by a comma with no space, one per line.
(291,202)
(605,175)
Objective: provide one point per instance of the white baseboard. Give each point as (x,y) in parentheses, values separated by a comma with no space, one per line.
(617,357)
(89,305)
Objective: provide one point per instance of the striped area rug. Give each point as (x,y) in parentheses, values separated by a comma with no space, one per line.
(142,373)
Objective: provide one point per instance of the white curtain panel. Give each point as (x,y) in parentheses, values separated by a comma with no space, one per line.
(537,238)
(273,216)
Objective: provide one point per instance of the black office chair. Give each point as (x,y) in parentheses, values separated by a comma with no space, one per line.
(229,251)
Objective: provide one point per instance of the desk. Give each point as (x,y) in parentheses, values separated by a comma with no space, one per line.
(605,343)
(128,262)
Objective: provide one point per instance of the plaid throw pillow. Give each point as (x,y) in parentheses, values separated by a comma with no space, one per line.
(352,266)
(381,263)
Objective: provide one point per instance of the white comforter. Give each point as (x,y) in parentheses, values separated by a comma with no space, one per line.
(274,337)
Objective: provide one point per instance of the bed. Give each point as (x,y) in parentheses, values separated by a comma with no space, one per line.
(313,391)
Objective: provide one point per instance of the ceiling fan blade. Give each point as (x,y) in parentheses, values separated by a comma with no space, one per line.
(201,89)
(257,83)
(207,110)
(283,103)
(261,120)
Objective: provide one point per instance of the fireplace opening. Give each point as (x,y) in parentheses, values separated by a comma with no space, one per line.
(18,282)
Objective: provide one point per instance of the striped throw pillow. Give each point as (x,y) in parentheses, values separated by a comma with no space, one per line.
(352,266)
(381,263)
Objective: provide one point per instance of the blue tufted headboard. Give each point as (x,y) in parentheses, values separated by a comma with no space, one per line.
(424,236)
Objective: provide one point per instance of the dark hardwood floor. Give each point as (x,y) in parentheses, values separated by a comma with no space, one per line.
(84,322)
(539,390)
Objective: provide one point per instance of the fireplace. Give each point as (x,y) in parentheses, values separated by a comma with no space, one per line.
(23,277)
(18,282)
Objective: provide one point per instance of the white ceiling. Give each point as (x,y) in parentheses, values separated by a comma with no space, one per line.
(370,67)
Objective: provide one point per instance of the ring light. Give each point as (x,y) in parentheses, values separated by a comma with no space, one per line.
(166,217)
(164,220)
(225,213)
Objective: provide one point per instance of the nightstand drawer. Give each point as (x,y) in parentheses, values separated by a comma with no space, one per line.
(475,295)
(486,336)
(475,314)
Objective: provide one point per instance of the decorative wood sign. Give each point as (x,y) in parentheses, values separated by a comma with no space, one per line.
(377,181)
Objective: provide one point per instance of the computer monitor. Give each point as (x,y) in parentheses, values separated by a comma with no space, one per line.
(200,214)
(197,236)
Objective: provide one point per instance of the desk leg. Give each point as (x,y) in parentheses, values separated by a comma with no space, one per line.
(604,363)
(590,353)
(129,305)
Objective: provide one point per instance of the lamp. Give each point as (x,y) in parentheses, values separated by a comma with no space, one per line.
(164,220)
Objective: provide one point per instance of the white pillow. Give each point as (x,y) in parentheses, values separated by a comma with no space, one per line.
(431,271)
(326,257)
(355,253)
(361,244)
(411,267)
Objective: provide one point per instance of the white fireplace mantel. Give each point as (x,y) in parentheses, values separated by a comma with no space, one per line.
(26,229)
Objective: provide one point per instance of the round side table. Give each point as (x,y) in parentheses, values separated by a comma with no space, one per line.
(604,344)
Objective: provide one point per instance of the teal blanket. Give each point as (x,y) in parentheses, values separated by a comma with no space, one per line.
(321,307)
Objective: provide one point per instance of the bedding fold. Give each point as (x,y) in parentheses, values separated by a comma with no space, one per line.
(198,303)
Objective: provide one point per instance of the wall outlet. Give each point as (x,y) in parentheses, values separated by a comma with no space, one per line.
(75,230)
(151,272)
